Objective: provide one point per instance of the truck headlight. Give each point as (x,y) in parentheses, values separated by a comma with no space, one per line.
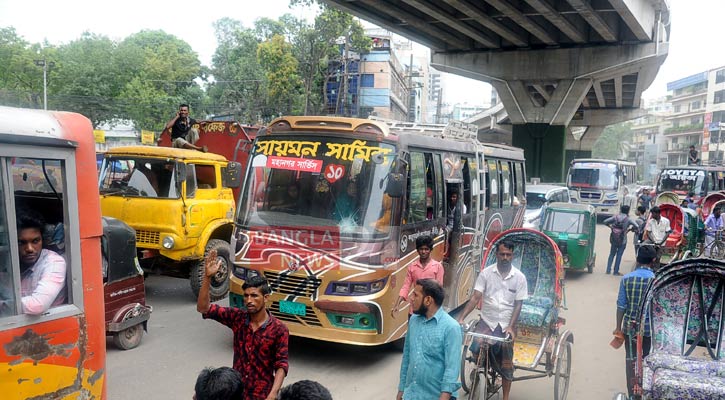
(168,242)
(355,288)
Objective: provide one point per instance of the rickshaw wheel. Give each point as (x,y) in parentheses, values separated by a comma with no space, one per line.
(219,287)
(468,368)
(563,372)
(717,251)
(128,338)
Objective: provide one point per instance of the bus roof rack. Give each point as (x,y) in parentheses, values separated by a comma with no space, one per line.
(453,130)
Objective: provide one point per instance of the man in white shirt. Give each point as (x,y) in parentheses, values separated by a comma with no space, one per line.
(657,230)
(42,271)
(503,289)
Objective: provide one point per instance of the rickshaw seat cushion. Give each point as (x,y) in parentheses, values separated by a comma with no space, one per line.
(675,384)
(661,360)
(536,311)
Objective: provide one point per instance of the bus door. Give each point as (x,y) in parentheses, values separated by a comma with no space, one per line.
(423,209)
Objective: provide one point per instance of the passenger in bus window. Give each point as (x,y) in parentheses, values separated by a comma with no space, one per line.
(423,268)
(42,271)
(453,221)
(291,200)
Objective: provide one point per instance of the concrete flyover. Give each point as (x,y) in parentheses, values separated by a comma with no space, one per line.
(556,64)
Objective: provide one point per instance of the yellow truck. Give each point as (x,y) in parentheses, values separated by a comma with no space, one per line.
(180,203)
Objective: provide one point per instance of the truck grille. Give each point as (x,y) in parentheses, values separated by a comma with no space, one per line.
(590,195)
(301,286)
(310,318)
(147,237)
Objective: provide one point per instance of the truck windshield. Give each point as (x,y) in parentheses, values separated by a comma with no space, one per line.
(593,175)
(681,181)
(139,177)
(318,181)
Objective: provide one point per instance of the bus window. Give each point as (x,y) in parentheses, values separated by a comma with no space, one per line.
(482,184)
(429,202)
(520,190)
(438,187)
(466,185)
(39,188)
(473,176)
(493,184)
(506,184)
(713,181)
(7,272)
(416,188)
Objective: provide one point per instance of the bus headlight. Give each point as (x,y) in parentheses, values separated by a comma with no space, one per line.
(168,242)
(355,288)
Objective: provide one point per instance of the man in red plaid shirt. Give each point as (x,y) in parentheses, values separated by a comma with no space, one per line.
(260,340)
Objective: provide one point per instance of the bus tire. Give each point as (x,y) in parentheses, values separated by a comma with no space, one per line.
(219,287)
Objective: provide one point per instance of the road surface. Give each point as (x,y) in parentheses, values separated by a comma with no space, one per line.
(179,344)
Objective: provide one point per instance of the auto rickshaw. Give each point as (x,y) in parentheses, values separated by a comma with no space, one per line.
(572,226)
(123,285)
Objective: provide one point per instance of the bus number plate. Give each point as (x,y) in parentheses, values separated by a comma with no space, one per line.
(292,308)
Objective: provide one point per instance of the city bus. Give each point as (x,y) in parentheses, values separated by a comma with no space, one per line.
(699,179)
(331,209)
(48,164)
(605,184)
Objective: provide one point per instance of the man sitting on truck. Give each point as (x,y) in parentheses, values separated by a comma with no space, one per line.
(183,135)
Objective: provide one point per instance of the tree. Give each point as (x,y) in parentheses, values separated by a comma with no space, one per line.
(21,81)
(276,58)
(239,84)
(159,70)
(85,78)
(612,141)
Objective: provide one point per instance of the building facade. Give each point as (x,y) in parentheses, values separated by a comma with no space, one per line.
(648,145)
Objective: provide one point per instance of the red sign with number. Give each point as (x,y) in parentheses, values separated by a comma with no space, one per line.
(333,172)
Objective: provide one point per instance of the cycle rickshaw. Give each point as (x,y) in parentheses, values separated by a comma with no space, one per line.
(686,307)
(542,348)
(686,238)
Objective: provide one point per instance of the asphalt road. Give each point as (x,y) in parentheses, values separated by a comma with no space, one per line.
(179,344)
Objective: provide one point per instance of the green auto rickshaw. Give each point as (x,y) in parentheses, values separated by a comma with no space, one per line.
(573,227)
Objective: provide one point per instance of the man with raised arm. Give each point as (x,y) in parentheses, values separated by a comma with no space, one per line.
(260,340)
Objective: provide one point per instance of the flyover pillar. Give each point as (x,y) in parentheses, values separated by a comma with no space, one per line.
(544,149)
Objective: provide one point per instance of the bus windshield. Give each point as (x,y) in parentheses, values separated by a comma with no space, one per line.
(681,181)
(593,175)
(318,181)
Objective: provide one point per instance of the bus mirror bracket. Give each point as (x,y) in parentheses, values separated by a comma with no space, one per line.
(180,172)
(232,175)
(395,186)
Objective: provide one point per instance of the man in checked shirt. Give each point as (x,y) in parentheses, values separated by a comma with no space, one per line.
(629,302)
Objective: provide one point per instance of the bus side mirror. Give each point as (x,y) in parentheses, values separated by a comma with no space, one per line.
(180,175)
(232,175)
(395,186)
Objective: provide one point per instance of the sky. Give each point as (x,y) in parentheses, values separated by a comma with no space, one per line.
(694,45)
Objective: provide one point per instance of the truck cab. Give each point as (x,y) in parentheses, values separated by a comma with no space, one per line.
(181,204)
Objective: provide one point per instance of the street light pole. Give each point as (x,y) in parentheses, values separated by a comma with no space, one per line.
(43,63)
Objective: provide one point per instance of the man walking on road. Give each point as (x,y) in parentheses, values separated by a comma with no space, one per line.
(260,339)
(713,224)
(424,268)
(620,224)
(503,289)
(432,354)
(629,302)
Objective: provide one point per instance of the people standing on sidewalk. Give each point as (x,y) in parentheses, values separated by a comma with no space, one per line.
(620,224)
(629,303)
(432,354)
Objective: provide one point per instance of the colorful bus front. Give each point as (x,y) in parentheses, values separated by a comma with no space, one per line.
(48,167)
(315,219)
(684,180)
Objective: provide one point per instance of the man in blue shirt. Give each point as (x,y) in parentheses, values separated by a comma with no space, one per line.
(713,223)
(632,289)
(432,354)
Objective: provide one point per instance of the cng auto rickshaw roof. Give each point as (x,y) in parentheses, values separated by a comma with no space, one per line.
(163,152)
(572,207)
